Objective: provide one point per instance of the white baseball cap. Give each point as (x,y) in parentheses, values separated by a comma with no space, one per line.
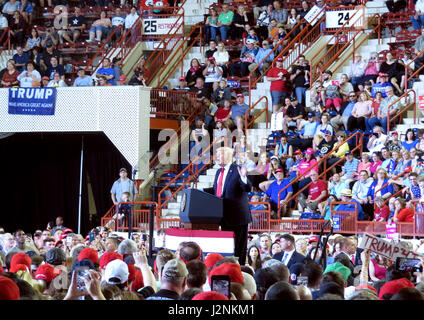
(116,272)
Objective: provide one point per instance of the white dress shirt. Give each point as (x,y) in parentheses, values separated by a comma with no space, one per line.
(226,169)
(288,255)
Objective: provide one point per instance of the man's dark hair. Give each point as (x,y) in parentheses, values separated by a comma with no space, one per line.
(281,291)
(162,257)
(190,293)
(313,271)
(393,274)
(330,296)
(248,270)
(49,239)
(16,232)
(230,259)
(288,237)
(190,251)
(333,276)
(264,279)
(282,271)
(26,291)
(408,294)
(196,273)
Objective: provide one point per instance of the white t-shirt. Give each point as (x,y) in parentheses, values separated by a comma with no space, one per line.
(129,20)
(3,22)
(212,75)
(26,81)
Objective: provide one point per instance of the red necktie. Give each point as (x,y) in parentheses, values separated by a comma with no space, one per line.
(219,187)
(353,258)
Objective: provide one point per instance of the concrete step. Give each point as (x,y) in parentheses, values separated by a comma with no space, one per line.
(401,128)
(168,213)
(206,179)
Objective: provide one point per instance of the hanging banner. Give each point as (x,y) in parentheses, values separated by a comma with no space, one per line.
(32,101)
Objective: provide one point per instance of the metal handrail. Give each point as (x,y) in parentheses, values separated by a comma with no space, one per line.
(183,55)
(189,167)
(316,166)
(398,114)
(246,115)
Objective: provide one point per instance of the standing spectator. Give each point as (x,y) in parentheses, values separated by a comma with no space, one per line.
(211,25)
(263,21)
(123,184)
(280,14)
(99,28)
(107,71)
(212,49)
(279,78)
(173,281)
(239,21)
(74,28)
(357,69)
(117,68)
(130,20)
(4,24)
(18,28)
(29,77)
(300,78)
(55,67)
(10,77)
(418,18)
(225,20)
(254,258)
(264,54)
(265,246)
(289,256)
(247,57)
(83,80)
(21,58)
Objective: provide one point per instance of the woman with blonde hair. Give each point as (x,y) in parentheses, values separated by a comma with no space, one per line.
(222,58)
(376,188)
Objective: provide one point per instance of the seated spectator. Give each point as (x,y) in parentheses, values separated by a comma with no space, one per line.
(99,28)
(336,185)
(410,140)
(360,191)
(9,8)
(212,73)
(381,211)
(222,58)
(389,163)
(305,168)
(318,192)
(275,164)
(18,27)
(365,163)
(273,32)
(249,33)
(57,81)
(377,140)
(260,173)
(395,5)
(326,145)
(371,72)
(360,112)
(263,59)
(273,192)
(212,49)
(342,119)
(221,94)
(83,80)
(45,58)
(403,213)
(247,57)
(345,87)
(293,116)
(29,77)
(200,89)
(223,114)
(376,162)
(10,77)
(211,25)
(332,96)
(357,70)
(45,81)
(376,188)
(199,138)
(418,18)
(346,196)
(138,79)
(284,151)
(238,112)
(4,24)
(21,58)
(280,14)
(292,20)
(239,21)
(107,71)
(33,40)
(182,85)
(393,142)
(118,24)
(76,25)
(340,149)
(55,67)
(321,129)
(49,37)
(225,20)
(380,85)
(195,71)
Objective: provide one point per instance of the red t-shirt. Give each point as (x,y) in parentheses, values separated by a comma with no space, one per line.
(221,113)
(381,213)
(406,215)
(315,189)
(278,85)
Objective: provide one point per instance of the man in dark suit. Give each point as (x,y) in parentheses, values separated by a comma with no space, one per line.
(288,256)
(232,185)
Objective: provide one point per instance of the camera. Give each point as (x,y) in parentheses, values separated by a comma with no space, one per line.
(408,264)
(221,284)
(81,273)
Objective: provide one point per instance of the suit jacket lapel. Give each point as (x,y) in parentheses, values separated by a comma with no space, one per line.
(230,172)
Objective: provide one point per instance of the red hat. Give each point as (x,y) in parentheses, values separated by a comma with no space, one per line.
(108,257)
(279,59)
(309,151)
(90,254)
(18,267)
(366,286)
(211,59)
(394,132)
(231,269)
(21,258)
(182,78)
(67,230)
(138,282)
(9,290)
(132,270)
(211,259)
(408,169)
(279,170)
(298,152)
(394,286)
(46,272)
(240,95)
(313,239)
(209,295)
(381,74)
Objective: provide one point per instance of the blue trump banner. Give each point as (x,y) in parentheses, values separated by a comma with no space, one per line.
(33,101)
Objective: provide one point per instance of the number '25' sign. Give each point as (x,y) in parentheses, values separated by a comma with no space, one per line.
(160,26)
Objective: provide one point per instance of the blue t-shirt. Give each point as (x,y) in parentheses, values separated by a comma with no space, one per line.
(351,207)
(275,188)
(83,82)
(108,72)
(409,146)
(21,59)
(379,87)
(238,110)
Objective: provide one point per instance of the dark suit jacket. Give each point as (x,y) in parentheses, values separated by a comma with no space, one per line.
(236,203)
(295,258)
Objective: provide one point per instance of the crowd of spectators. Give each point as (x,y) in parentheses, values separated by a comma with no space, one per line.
(58,264)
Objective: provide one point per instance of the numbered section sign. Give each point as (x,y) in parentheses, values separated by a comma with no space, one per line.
(336,19)
(159,26)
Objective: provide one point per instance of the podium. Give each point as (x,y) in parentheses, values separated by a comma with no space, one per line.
(200,210)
